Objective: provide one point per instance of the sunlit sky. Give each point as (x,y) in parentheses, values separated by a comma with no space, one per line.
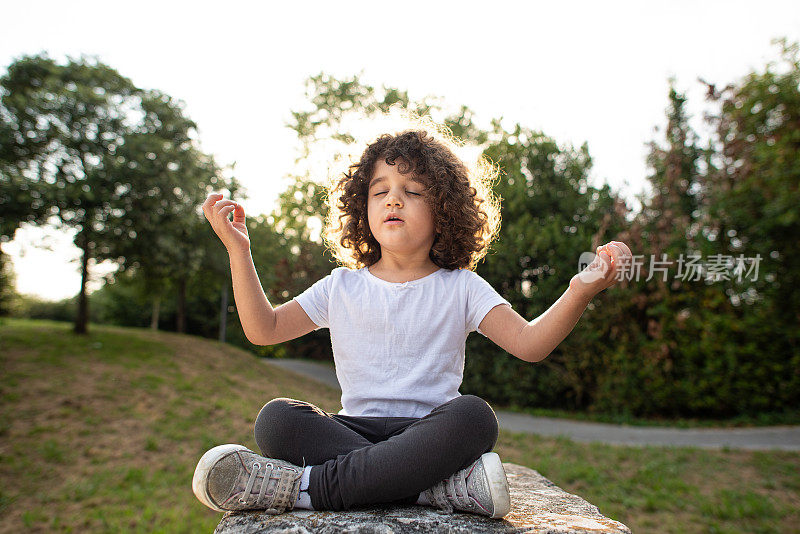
(587,71)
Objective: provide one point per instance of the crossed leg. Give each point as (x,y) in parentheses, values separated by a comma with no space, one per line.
(367,460)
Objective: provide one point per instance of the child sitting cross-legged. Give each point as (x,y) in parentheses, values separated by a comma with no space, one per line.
(408,222)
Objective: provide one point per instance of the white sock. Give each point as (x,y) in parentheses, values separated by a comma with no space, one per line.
(303,501)
(306,478)
(303,498)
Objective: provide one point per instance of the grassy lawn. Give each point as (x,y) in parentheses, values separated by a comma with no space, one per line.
(102,433)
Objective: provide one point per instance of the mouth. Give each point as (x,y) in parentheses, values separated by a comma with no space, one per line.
(393,219)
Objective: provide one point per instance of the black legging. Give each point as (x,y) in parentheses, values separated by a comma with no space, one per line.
(366,460)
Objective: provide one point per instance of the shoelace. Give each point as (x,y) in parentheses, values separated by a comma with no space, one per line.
(452,490)
(267,476)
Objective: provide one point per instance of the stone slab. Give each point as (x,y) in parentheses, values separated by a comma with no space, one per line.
(537,506)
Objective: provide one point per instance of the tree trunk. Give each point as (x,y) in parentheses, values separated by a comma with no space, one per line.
(223,313)
(180,324)
(6,283)
(82,319)
(156,309)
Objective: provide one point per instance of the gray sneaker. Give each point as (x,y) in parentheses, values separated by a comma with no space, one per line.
(232,477)
(481,488)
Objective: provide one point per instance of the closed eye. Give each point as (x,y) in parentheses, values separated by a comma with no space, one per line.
(409,192)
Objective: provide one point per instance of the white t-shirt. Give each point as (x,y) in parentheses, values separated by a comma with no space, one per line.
(398,347)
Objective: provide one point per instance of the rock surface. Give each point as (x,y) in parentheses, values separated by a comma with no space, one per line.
(537,505)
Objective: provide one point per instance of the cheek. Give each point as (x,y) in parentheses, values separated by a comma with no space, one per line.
(430,217)
(372,219)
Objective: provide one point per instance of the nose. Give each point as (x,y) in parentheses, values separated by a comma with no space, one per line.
(392,199)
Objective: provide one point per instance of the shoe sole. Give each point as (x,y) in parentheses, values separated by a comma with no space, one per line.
(207,461)
(498,484)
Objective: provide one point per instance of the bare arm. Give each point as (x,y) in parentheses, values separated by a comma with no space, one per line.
(255,312)
(534,341)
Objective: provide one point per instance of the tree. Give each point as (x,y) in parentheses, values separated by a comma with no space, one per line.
(655,318)
(7,293)
(118,164)
(550,216)
(68,121)
(710,345)
(21,198)
(750,199)
(164,178)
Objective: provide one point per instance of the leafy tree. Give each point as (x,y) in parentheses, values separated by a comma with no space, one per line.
(550,216)
(750,198)
(657,315)
(7,293)
(165,177)
(120,166)
(68,122)
(21,199)
(699,345)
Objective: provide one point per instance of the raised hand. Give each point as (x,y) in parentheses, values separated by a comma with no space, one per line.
(603,272)
(232,233)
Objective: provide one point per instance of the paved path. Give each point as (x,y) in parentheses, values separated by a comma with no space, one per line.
(785,438)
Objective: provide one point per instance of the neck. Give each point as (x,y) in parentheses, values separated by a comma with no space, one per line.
(396,272)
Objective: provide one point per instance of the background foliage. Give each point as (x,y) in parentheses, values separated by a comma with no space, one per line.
(648,347)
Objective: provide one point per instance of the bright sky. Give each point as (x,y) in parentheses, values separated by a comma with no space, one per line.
(576,70)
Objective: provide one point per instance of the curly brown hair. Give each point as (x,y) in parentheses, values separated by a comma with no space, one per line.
(466,214)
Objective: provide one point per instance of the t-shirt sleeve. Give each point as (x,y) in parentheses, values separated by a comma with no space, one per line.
(481,298)
(314,301)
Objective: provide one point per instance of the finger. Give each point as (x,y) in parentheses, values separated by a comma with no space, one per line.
(222,204)
(626,259)
(605,256)
(622,262)
(608,269)
(211,199)
(617,257)
(226,210)
(209,202)
(625,250)
(238,214)
(602,263)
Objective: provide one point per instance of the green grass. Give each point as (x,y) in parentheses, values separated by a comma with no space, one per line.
(101,433)
(667,489)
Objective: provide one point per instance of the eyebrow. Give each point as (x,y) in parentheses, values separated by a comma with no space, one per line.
(380,179)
